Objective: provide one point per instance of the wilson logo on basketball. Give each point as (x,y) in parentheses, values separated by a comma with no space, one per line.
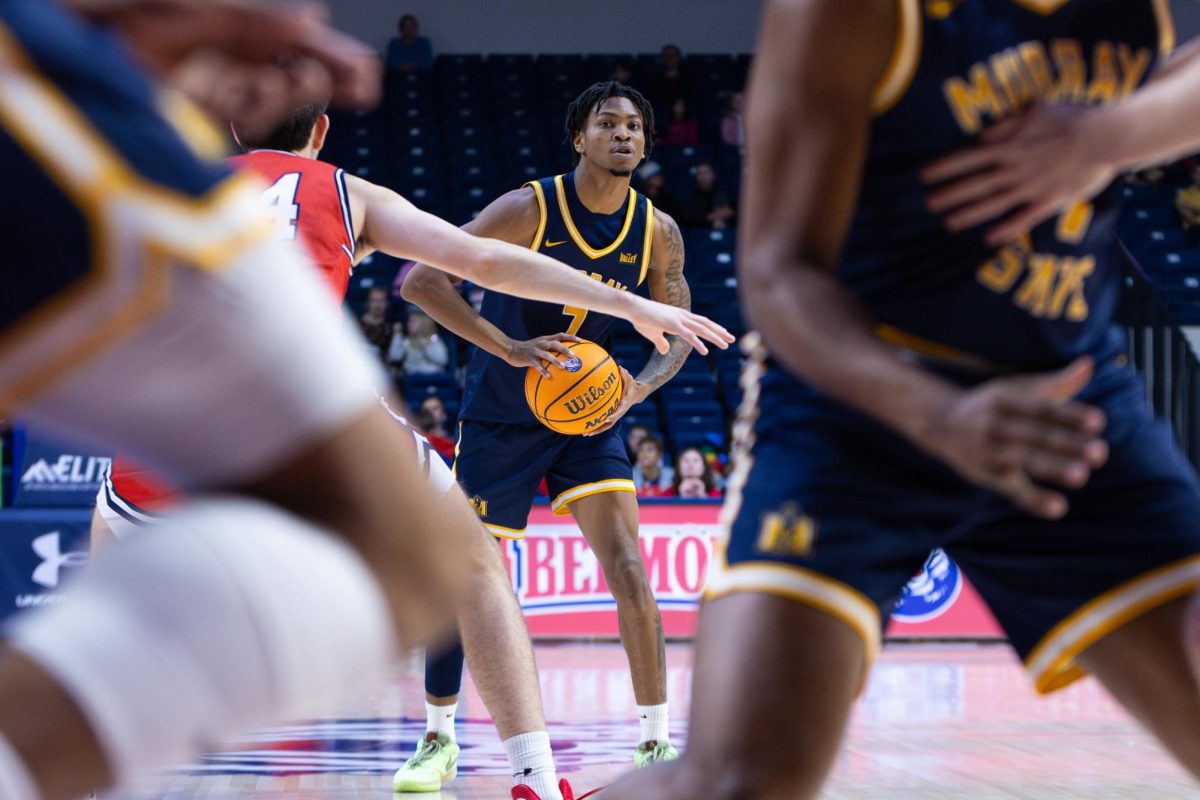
(579,397)
(593,395)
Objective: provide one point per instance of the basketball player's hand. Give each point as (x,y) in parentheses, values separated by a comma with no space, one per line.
(632,393)
(1021,435)
(244,60)
(540,353)
(655,320)
(1025,170)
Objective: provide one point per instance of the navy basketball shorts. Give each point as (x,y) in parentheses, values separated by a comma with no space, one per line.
(501,465)
(836,512)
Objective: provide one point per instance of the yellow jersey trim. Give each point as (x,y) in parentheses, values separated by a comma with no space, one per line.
(1052,662)
(542,214)
(591,252)
(559,505)
(1166,27)
(151,298)
(457,450)
(648,242)
(113,173)
(76,158)
(1043,7)
(502,532)
(931,349)
(903,64)
(839,600)
(192,125)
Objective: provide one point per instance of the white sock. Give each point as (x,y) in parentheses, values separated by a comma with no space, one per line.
(440,720)
(654,723)
(533,764)
(15,781)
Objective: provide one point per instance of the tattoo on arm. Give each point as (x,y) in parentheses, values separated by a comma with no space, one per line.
(673,291)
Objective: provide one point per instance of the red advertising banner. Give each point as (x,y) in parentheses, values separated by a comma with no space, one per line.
(564,595)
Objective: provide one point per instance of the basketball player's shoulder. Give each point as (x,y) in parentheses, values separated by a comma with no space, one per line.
(513,216)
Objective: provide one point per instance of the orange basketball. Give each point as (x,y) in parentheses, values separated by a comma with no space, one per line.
(579,396)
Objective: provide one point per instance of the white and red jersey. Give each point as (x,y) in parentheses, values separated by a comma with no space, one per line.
(308,201)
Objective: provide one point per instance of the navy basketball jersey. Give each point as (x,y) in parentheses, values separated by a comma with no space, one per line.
(611,248)
(959,67)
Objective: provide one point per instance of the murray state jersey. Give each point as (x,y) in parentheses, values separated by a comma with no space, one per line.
(611,248)
(961,66)
(308,201)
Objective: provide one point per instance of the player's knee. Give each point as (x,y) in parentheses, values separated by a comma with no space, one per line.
(626,576)
(233,614)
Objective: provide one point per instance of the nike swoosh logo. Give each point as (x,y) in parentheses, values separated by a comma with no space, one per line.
(555,244)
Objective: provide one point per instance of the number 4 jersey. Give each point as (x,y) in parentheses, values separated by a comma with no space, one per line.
(959,68)
(307,200)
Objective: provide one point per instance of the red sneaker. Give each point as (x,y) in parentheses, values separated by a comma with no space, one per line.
(523,792)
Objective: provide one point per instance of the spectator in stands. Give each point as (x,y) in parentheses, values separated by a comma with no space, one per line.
(694,477)
(409,52)
(708,205)
(622,71)
(733,126)
(650,477)
(422,351)
(432,419)
(670,80)
(374,321)
(653,186)
(633,438)
(682,128)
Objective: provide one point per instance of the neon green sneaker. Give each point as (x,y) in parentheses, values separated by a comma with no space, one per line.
(644,757)
(433,765)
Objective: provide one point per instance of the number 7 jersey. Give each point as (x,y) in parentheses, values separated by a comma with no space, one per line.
(611,248)
(308,201)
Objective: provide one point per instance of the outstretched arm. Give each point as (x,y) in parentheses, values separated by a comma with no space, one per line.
(395,226)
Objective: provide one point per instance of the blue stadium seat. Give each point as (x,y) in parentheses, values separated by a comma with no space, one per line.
(701,408)
(417,386)
(677,391)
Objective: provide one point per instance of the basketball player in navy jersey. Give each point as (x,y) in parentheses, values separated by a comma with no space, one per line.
(916,383)
(592,220)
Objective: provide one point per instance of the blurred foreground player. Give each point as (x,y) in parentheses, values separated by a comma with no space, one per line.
(915,387)
(147,314)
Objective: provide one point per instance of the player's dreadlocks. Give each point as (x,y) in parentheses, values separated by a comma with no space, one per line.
(590,101)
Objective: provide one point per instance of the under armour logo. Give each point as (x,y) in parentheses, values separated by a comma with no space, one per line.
(48,548)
